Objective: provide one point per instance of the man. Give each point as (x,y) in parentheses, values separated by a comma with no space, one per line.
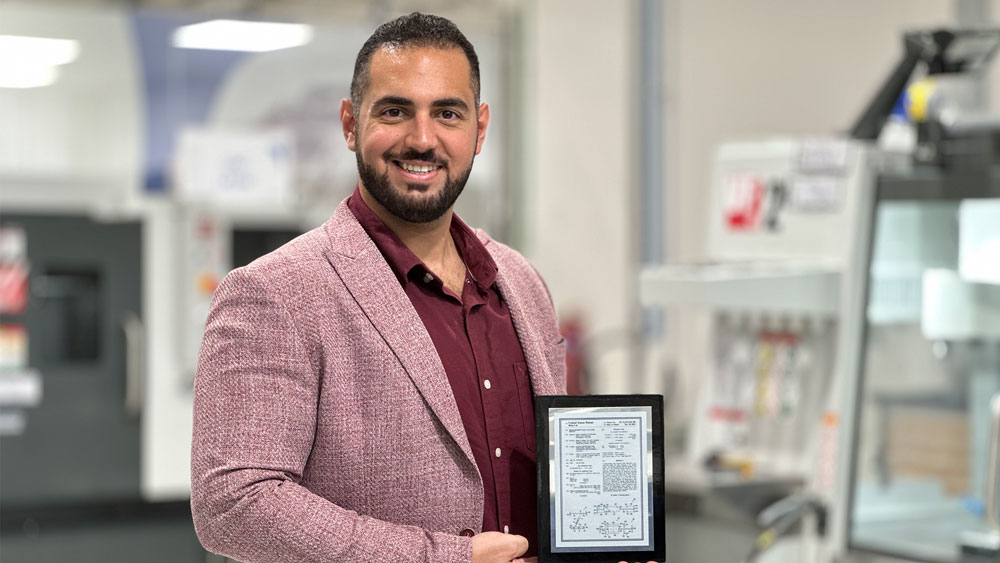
(365,393)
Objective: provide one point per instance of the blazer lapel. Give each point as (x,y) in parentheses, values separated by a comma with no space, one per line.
(374,286)
(531,343)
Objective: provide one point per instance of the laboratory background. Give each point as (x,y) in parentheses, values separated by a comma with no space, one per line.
(783,216)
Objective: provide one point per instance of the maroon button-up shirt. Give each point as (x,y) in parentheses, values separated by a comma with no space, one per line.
(475,338)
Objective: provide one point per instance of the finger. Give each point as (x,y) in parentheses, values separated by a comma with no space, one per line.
(520,545)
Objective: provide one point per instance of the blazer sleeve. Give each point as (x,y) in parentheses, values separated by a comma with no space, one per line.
(255,398)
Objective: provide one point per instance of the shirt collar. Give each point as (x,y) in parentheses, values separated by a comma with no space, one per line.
(402,260)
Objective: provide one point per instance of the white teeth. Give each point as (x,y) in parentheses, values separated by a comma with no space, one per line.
(416,169)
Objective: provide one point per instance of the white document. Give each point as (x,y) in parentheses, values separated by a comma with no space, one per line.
(601,458)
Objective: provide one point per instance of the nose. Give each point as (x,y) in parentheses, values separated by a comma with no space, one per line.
(422,136)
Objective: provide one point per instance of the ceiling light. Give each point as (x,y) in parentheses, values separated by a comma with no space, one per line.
(16,75)
(236,35)
(43,51)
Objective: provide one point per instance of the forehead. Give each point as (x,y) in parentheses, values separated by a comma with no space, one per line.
(414,72)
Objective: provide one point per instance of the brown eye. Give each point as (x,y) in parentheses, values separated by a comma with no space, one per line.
(448,114)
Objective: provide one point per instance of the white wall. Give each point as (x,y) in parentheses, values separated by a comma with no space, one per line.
(578,133)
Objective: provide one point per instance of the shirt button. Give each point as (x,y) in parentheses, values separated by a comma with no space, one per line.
(466,533)
(497,452)
(487,384)
(506,530)
(428,278)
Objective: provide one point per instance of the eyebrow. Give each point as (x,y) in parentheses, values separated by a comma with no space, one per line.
(450,103)
(392,101)
(401,101)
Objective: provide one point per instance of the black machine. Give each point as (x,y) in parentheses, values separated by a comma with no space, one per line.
(70,477)
(948,137)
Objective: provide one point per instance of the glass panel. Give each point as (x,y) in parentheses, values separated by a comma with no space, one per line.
(69,314)
(931,367)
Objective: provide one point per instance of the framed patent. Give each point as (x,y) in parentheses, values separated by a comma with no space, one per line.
(600,478)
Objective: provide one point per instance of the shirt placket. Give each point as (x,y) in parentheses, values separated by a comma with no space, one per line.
(473,301)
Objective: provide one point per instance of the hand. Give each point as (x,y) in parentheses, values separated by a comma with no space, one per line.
(495,547)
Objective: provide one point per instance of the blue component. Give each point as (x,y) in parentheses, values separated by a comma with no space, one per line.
(180,87)
(974,506)
(899,110)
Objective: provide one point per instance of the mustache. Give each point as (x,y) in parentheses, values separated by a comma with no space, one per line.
(412,154)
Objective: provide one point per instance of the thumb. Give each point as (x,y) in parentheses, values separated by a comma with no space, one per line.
(517,545)
(496,546)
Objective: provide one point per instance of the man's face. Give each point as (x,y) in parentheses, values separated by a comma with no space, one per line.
(417,130)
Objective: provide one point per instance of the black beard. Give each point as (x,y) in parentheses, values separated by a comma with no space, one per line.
(402,206)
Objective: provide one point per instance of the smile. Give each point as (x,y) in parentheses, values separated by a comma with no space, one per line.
(416,168)
(423,171)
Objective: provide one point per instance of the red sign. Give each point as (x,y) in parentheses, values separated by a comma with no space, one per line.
(13,288)
(744,201)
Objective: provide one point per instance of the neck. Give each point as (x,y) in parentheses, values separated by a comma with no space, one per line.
(431,242)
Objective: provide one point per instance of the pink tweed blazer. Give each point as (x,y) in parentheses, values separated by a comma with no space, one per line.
(324,426)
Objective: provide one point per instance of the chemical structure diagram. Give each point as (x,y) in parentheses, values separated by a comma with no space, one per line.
(616,520)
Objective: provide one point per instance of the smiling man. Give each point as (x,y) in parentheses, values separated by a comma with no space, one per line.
(417,150)
(365,393)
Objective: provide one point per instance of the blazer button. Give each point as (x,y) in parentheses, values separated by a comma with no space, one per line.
(467,533)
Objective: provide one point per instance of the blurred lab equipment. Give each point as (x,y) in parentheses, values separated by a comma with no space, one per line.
(767,415)
(929,363)
(852,302)
(74,336)
(921,465)
(781,517)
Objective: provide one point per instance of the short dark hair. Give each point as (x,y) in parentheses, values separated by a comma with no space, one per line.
(414,30)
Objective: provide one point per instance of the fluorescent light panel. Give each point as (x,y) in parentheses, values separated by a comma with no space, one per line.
(236,35)
(44,51)
(26,76)
(32,62)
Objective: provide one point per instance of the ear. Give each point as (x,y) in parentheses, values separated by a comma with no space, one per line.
(482,120)
(348,123)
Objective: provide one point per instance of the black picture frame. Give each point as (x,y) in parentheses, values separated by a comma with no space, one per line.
(547,551)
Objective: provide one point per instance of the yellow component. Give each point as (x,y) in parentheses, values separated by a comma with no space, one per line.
(918,96)
(734,462)
(766,539)
(765,358)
